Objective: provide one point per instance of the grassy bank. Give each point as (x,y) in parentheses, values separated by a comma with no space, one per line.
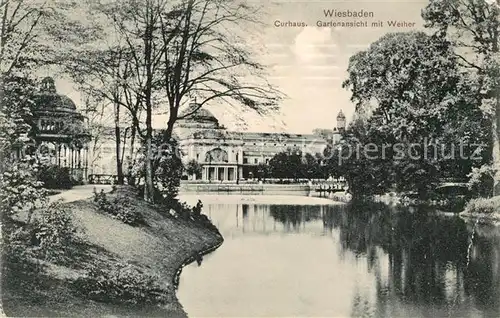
(484,210)
(113,269)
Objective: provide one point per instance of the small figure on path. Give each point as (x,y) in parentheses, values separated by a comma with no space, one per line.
(199,259)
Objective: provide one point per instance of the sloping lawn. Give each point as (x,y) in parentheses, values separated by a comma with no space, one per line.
(150,253)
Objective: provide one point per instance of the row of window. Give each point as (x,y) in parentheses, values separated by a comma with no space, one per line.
(255,160)
(50,125)
(282,145)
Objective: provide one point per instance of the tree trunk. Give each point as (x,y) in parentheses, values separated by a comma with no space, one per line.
(148,89)
(496,147)
(167,133)
(149,186)
(132,142)
(496,126)
(119,167)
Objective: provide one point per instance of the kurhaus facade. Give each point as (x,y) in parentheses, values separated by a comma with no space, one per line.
(227,156)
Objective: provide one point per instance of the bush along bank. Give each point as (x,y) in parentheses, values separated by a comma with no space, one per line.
(486,210)
(110,266)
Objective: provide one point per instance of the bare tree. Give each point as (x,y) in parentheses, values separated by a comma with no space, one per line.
(104,70)
(20,24)
(136,23)
(207,60)
(95,110)
(176,51)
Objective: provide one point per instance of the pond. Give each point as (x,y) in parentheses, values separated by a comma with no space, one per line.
(303,257)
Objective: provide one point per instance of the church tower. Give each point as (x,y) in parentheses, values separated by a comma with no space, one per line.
(341,125)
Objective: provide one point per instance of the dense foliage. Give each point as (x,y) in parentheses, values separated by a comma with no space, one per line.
(422,114)
(482,205)
(473,28)
(193,168)
(296,165)
(119,208)
(167,165)
(55,177)
(122,283)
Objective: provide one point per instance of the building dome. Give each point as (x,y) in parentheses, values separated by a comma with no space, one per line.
(49,99)
(200,115)
(54,101)
(55,117)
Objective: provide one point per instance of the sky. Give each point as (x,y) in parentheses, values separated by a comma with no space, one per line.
(308,63)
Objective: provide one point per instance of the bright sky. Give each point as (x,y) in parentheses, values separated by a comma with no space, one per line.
(309,63)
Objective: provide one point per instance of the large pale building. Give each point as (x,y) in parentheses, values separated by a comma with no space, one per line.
(229,155)
(226,155)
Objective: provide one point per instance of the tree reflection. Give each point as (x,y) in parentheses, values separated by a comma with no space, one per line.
(419,263)
(427,258)
(294,216)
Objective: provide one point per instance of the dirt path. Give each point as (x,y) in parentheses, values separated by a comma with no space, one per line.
(79,192)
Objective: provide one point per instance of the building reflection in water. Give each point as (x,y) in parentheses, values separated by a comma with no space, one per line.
(420,261)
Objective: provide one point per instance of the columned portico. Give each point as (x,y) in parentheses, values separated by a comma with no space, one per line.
(211,172)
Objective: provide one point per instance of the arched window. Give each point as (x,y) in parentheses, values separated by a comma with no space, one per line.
(216,155)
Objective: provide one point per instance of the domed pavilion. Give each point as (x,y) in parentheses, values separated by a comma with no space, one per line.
(60,131)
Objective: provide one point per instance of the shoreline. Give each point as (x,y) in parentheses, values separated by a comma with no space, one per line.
(159,250)
(191,259)
(481,218)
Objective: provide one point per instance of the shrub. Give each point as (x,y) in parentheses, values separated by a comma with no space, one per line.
(53,232)
(167,166)
(55,177)
(119,208)
(122,283)
(481,180)
(194,168)
(49,236)
(183,209)
(20,191)
(484,206)
(19,263)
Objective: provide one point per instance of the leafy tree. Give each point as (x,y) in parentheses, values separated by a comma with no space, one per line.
(294,164)
(365,176)
(15,117)
(311,168)
(286,164)
(331,161)
(194,168)
(167,167)
(473,27)
(263,171)
(27,31)
(412,86)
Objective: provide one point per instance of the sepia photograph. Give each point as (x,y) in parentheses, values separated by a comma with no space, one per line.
(250,158)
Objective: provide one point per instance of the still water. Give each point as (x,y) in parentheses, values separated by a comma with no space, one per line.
(305,257)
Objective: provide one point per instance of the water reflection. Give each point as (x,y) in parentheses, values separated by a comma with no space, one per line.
(369,259)
(426,262)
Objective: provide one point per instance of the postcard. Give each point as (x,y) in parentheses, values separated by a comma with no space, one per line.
(250,158)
